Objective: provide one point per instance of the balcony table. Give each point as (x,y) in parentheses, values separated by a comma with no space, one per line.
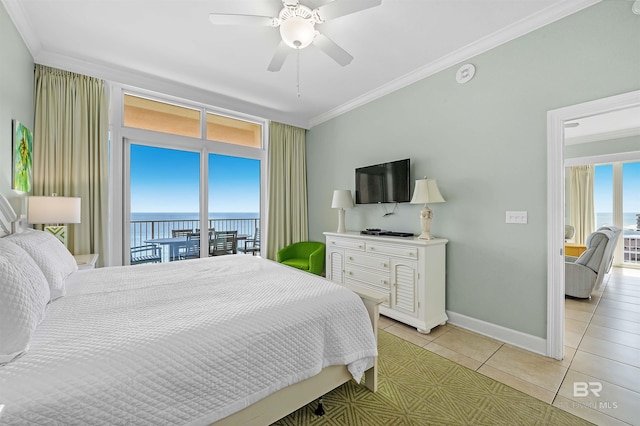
(174,244)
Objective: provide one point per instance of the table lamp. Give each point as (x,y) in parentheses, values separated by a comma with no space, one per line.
(426,191)
(54,210)
(342,199)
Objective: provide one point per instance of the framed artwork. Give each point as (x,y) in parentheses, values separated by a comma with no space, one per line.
(22,157)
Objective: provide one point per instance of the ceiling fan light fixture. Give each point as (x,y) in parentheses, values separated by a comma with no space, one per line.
(297,32)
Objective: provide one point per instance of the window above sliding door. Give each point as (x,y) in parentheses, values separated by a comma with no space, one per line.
(159,116)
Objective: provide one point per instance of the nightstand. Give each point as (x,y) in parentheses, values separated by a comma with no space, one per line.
(86,261)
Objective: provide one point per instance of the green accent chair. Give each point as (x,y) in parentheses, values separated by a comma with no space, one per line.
(305,255)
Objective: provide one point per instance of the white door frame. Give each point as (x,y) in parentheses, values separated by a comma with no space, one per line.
(555,206)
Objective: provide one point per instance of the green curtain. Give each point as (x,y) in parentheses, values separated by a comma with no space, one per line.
(288,221)
(581,207)
(70,151)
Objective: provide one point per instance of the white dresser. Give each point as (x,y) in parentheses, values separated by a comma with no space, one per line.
(411,271)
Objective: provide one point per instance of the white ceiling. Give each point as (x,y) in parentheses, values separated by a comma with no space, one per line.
(171,43)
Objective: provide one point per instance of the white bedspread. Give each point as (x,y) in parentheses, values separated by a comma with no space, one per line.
(181,343)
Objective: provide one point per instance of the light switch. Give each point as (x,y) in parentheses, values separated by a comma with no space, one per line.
(517,217)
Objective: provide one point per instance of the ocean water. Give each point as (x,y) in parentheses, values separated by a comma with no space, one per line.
(192,216)
(628,219)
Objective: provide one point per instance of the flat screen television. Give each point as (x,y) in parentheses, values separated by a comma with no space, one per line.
(384,183)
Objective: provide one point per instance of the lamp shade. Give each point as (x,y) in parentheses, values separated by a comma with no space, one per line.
(426,191)
(342,199)
(54,210)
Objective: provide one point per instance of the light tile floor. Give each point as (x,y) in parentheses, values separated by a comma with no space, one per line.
(599,378)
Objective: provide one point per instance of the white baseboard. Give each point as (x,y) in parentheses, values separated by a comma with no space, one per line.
(513,337)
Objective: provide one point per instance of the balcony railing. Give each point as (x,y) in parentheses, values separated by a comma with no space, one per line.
(143,230)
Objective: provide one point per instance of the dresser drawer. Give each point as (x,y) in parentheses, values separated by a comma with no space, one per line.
(367,260)
(377,278)
(345,243)
(393,250)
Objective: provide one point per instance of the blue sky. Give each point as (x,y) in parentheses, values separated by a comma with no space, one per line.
(166,180)
(603,184)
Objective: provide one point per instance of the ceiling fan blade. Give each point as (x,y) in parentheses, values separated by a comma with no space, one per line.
(253,20)
(336,52)
(338,8)
(282,51)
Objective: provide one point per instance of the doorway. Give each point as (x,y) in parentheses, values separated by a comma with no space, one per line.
(556,120)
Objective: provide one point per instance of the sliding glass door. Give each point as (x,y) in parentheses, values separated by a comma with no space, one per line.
(164,204)
(234,202)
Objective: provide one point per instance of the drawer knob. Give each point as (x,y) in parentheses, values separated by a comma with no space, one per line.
(384,265)
(350,258)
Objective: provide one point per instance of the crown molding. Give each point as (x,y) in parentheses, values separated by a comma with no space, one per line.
(524,26)
(23,25)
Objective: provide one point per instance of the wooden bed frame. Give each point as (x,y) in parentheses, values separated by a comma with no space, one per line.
(287,400)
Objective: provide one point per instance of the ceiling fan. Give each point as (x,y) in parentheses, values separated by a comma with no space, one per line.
(297,26)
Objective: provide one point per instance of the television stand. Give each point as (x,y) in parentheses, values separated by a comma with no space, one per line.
(410,271)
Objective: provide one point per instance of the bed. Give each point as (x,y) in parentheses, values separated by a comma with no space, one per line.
(225,340)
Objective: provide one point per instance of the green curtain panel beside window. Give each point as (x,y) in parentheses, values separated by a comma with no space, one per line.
(288,220)
(581,202)
(70,150)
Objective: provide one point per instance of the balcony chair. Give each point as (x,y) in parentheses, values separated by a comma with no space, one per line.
(252,245)
(192,247)
(181,249)
(146,254)
(305,255)
(224,242)
(587,272)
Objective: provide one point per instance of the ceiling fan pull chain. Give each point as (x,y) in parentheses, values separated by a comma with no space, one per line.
(298,72)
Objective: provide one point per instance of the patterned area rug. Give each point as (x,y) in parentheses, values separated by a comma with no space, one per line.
(418,387)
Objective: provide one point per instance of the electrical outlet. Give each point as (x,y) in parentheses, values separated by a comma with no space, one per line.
(517,217)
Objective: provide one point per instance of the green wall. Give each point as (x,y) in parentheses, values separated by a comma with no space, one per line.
(16,96)
(485,142)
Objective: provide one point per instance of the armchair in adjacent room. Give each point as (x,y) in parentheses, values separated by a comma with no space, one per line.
(583,274)
(305,255)
(611,247)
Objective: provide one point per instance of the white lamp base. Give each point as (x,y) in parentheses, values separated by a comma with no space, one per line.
(425,223)
(58,231)
(341,228)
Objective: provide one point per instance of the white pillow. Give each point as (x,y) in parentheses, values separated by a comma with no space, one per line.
(24,294)
(53,258)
